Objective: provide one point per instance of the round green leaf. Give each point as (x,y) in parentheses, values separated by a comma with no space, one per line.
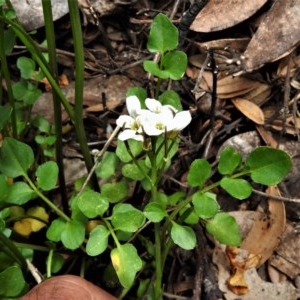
(15,158)
(126,263)
(154,212)
(20,193)
(115,192)
(57,262)
(199,172)
(205,204)
(92,204)
(5,112)
(268,166)
(237,188)
(98,240)
(225,229)
(132,171)
(136,148)
(170,97)
(73,234)
(55,230)
(163,35)
(174,64)
(192,218)
(127,218)
(229,161)
(108,165)
(12,282)
(183,236)
(46,175)
(26,66)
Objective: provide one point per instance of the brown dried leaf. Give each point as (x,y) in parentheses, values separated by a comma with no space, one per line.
(230,87)
(250,110)
(221,14)
(260,94)
(238,44)
(276,35)
(264,236)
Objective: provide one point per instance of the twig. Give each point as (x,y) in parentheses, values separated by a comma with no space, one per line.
(286,199)
(98,156)
(37,275)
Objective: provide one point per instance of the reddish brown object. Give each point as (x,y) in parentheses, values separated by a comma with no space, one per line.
(67,287)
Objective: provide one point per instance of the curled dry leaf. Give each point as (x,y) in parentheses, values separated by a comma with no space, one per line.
(221,14)
(264,236)
(250,110)
(277,34)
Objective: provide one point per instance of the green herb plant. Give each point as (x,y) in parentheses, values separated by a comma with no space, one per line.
(137,234)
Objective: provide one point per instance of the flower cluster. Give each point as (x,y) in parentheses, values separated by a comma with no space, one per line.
(155,120)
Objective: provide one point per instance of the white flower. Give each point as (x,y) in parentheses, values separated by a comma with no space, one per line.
(131,124)
(157,119)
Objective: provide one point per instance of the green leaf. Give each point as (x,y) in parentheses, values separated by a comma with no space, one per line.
(26,92)
(20,193)
(154,212)
(126,263)
(115,192)
(163,35)
(174,198)
(42,124)
(127,218)
(46,175)
(26,66)
(136,148)
(225,229)
(229,160)
(191,218)
(9,40)
(73,234)
(170,97)
(12,282)
(183,236)
(237,188)
(108,165)
(205,204)
(132,171)
(175,63)
(5,112)
(55,229)
(153,68)
(98,240)
(57,262)
(140,92)
(200,171)
(268,166)
(92,204)
(4,188)
(15,158)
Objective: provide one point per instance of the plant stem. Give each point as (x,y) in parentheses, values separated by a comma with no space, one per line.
(5,71)
(79,66)
(50,35)
(157,229)
(46,200)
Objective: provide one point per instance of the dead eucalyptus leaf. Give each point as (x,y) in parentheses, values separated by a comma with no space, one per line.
(230,87)
(250,110)
(218,14)
(264,236)
(260,94)
(238,44)
(277,34)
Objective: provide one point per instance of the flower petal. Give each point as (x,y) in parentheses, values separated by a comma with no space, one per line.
(180,121)
(153,105)
(133,105)
(124,120)
(126,134)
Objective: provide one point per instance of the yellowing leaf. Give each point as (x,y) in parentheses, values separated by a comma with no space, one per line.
(38,212)
(23,227)
(250,110)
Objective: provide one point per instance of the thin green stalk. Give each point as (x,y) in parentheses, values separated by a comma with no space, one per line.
(6,75)
(50,36)
(79,67)
(49,263)
(46,200)
(40,60)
